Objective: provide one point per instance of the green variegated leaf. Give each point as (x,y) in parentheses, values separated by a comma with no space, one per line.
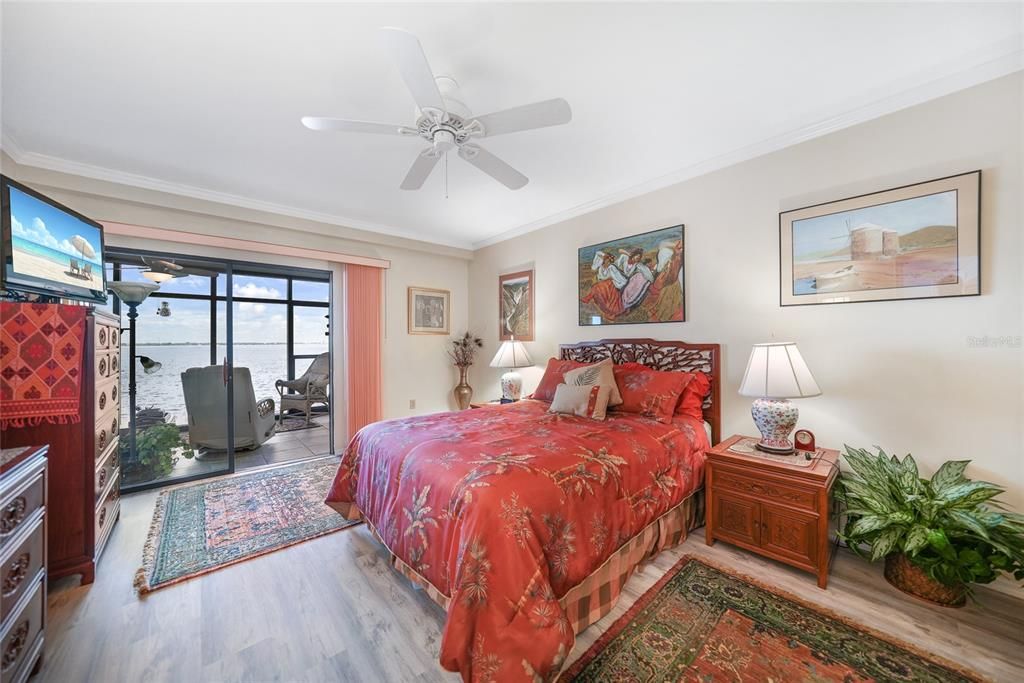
(979,489)
(937,539)
(885,543)
(867,524)
(900,517)
(968,521)
(915,539)
(950,474)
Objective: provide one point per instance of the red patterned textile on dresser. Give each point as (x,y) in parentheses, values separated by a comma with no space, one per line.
(41,349)
(506,509)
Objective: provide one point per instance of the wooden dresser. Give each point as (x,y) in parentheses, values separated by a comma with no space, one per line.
(84,458)
(775,506)
(23,484)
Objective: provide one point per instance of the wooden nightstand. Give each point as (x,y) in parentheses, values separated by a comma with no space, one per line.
(772,506)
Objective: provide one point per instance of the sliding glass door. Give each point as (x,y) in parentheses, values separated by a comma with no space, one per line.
(212,346)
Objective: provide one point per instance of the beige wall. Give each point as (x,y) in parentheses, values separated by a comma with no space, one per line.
(414,367)
(902,375)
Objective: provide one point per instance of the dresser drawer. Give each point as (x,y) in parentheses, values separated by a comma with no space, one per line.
(108,427)
(106,513)
(106,398)
(107,337)
(20,568)
(21,636)
(101,365)
(763,487)
(20,506)
(107,470)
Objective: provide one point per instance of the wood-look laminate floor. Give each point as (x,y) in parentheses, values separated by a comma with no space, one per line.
(332,609)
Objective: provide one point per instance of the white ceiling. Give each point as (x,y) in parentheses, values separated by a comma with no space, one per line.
(205,100)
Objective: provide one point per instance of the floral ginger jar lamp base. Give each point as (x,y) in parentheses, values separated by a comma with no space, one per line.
(776,419)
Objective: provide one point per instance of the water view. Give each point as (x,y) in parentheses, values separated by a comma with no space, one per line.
(267,363)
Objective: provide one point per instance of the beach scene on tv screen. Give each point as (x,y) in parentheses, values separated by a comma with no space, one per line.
(52,245)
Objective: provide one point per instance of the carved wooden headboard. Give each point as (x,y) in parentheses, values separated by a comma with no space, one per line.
(660,355)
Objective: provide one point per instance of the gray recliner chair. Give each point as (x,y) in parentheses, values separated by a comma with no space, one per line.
(207,409)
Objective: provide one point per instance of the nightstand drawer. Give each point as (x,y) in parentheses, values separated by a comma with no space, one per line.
(19,507)
(764,487)
(21,636)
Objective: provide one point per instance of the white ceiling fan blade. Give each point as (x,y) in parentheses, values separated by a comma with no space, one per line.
(527,117)
(493,166)
(346,126)
(420,170)
(414,67)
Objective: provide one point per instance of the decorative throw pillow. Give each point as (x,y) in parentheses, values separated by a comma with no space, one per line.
(692,401)
(651,393)
(586,401)
(600,374)
(554,375)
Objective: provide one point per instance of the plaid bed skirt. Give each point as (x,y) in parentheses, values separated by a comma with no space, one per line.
(595,596)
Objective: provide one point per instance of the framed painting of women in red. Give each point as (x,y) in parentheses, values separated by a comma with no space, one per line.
(637,279)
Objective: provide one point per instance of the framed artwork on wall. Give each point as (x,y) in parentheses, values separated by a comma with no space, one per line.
(429,310)
(515,306)
(919,241)
(637,279)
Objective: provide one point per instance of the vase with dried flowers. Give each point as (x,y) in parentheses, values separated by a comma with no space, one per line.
(463,352)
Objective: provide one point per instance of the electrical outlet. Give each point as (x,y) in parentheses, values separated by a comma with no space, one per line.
(412,404)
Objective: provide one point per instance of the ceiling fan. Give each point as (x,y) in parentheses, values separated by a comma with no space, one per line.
(445,122)
(160,270)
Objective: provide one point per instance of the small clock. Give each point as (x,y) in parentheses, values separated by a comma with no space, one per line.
(804,441)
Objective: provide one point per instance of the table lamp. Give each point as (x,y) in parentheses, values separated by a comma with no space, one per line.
(511,354)
(776,372)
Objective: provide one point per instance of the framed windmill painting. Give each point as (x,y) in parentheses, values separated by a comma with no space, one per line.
(636,279)
(515,306)
(914,242)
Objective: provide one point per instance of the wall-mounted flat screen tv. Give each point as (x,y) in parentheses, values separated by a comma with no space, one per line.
(47,248)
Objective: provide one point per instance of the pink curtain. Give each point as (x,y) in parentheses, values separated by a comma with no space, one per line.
(363,296)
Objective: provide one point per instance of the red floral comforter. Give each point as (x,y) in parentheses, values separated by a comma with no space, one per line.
(506,508)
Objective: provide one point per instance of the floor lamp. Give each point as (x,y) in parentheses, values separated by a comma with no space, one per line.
(131,295)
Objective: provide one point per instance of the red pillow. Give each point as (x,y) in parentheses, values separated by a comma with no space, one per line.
(692,401)
(651,393)
(554,375)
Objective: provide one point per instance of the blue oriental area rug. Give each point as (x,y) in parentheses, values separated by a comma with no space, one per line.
(199,528)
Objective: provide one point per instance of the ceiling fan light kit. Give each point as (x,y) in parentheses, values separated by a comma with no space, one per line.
(445,122)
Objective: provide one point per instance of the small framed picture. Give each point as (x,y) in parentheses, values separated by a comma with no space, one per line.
(920,241)
(429,310)
(515,306)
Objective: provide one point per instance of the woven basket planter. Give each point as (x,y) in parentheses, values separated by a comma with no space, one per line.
(911,579)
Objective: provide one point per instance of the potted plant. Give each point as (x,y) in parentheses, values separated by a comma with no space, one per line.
(157,446)
(463,353)
(937,536)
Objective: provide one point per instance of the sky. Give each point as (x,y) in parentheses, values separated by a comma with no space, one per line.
(189,321)
(39,222)
(828,233)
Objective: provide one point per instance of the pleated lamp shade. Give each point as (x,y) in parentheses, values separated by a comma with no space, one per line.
(511,354)
(777,370)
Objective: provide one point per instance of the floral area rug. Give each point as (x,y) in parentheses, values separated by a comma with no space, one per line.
(199,528)
(702,623)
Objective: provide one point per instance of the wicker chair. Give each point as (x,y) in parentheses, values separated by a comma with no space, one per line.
(303,392)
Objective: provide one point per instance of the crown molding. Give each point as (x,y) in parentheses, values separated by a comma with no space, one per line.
(50,163)
(1000,59)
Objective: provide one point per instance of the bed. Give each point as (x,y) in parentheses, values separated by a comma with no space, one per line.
(524,525)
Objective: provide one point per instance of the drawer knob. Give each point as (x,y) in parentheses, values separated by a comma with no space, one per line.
(113,337)
(103,516)
(16,574)
(102,478)
(103,400)
(13,515)
(113,364)
(102,441)
(113,393)
(15,645)
(103,367)
(102,334)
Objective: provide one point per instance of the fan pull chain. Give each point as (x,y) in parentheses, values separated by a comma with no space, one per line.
(446,175)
